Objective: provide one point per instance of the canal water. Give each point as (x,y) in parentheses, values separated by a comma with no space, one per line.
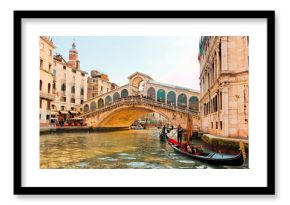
(129,149)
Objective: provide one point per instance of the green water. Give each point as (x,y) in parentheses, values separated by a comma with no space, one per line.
(130,149)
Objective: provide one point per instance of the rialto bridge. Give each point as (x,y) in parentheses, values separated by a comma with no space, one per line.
(142,95)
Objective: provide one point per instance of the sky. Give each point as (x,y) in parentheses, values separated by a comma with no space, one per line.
(167,59)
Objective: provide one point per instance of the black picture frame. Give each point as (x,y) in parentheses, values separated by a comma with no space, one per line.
(19,189)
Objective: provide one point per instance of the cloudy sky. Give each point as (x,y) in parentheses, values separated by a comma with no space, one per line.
(166,59)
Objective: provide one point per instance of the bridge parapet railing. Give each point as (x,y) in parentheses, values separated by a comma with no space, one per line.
(132,100)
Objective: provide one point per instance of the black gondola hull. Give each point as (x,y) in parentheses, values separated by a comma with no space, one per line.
(235,160)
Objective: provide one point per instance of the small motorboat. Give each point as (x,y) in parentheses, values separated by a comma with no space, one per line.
(209,157)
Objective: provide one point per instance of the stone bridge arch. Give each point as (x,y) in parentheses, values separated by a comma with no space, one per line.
(123,114)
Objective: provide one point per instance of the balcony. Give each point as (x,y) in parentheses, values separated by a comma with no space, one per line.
(47,96)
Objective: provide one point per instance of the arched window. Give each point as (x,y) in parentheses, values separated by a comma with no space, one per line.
(40,85)
(108,100)
(86,108)
(73,89)
(141,86)
(116,96)
(100,103)
(124,93)
(48,88)
(171,98)
(193,103)
(93,106)
(151,93)
(182,100)
(161,96)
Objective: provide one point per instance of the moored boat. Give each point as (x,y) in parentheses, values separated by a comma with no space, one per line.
(211,157)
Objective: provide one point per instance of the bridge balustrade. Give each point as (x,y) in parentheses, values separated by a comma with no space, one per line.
(139,99)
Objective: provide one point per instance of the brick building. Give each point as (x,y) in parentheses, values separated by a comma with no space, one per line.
(98,83)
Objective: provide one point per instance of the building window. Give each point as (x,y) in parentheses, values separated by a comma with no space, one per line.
(101,88)
(62,108)
(221,101)
(216,125)
(50,52)
(48,105)
(54,72)
(49,68)
(211,124)
(82,101)
(41,63)
(63,99)
(47,117)
(72,100)
(40,116)
(63,87)
(64,67)
(82,91)
(73,89)
(40,103)
(72,108)
(215,108)
(221,125)
(48,88)
(40,85)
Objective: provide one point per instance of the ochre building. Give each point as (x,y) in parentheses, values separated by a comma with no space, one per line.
(224,83)
(46,96)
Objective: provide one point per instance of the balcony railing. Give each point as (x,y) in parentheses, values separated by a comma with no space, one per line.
(47,96)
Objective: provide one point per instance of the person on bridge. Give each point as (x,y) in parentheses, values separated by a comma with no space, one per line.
(179,134)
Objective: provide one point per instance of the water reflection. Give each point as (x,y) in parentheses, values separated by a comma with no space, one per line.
(132,149)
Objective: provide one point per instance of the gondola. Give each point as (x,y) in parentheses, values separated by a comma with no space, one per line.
(211,157)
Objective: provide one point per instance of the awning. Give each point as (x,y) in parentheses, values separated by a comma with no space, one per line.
(77,118)
(63,112)
(73,112)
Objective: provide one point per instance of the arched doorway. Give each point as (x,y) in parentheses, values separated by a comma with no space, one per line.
(182,101)
(100,103)
(124,93)
(116,96)
(171,98)
(193,103)
(86,108)
(151,93)
(93,106)
(161,95)
(108,100)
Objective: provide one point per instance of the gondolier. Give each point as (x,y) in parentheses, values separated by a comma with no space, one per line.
(179,134)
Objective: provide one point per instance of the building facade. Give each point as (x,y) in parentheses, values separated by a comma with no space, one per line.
(98,84)
(69,85)
(46,95)
(224,72)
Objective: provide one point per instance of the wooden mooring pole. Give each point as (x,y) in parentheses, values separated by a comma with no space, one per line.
(242,148)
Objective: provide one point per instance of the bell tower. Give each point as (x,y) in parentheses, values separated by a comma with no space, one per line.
(74,57)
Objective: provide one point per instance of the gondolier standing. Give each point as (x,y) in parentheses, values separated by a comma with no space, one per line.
(179,134)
